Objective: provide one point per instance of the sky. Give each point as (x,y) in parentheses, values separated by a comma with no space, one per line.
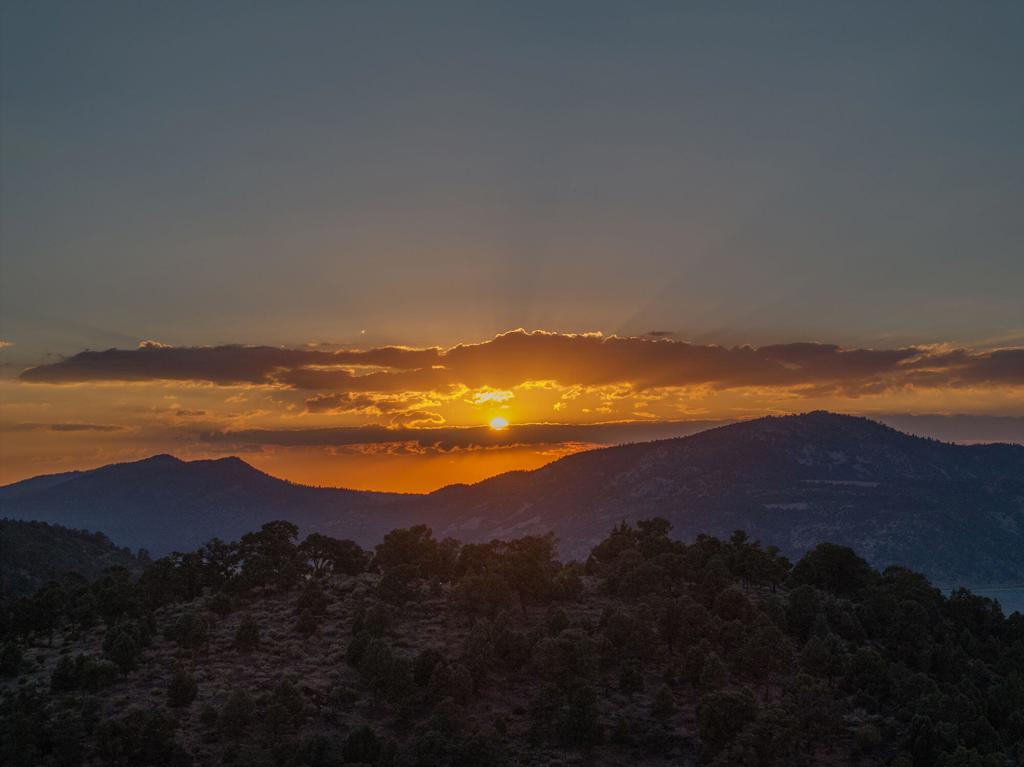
(338,239)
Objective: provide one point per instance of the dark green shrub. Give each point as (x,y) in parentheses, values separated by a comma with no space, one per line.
(282,713)
(247,637)
(123,644)
(220,604)
(362,746)
(10,659)
(307,624)
(720,717)
(182,689)
(140,739)
(237,714)
(191,631)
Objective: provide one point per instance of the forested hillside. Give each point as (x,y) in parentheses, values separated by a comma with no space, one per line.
(432,653)
(32,553)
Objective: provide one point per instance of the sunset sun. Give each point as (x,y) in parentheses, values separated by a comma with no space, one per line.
(498,423)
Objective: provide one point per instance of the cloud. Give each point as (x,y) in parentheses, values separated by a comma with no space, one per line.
(63,427)
(520,357)
(378,404)
(211,364)
(449,438)
(482,397)
(417,419)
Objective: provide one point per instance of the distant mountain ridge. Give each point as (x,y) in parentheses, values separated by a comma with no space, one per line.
(163,503)
(954,512)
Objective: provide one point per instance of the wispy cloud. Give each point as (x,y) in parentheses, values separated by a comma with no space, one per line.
(448,438)
(64,427)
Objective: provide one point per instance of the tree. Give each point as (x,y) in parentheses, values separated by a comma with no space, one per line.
(82,673)
(10,659)
(767,651)
(631,678)
(670,621)
(567,660)
(348,558)
(65,675)
(116,595)
(621,538)
(283,712)
(567,586)
(576,721)
(247,637)
(482,594)
(663,707)
(237,713)
(557,622)
(318,551)
(713,673)
(733,605)
(270,557)
(714,579)
(325,555)
(529,566)
(140,739)
(398,584)
(191,631)
(182,689)
(834,568)
(803,610)
(313,598)
(307,624)
(375,619)
(123,644)
(451,681)
(824,656)
(362,746)
(47,609)
(413,546)
(220,562)
(720,716)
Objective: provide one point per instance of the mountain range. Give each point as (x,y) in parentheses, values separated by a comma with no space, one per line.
(163,503)
(953,512)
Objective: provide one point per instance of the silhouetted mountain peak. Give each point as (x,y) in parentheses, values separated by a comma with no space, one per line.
(161,459)
(164,503)
(817,424)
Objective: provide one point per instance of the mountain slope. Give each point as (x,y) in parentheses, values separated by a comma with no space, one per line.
(954,512)
(35,484)
(164,504)
(32,553)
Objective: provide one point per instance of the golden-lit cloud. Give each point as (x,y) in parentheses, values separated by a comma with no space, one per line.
(518,357)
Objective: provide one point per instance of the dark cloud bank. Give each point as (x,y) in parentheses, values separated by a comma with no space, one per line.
(513,358)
